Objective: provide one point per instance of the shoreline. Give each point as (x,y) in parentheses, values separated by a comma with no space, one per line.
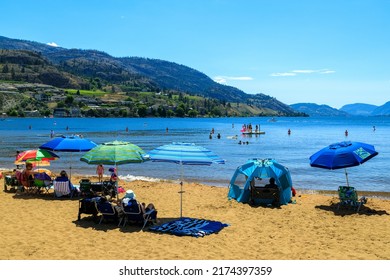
(370,194)
(42,227)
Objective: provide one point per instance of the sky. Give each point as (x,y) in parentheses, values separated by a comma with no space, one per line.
(312,51)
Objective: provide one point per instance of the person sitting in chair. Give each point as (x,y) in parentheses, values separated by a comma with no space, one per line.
(63,178)
(274,186)
(271,183)
(27,176)
(130,196)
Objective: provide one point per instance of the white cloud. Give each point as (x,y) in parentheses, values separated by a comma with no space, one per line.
(52,44)
(284,74)
(225,79)
(327,72)
(302,71)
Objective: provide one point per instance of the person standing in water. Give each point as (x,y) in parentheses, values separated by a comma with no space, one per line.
(100,171)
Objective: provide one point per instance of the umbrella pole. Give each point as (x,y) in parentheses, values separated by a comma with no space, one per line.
(116,183)
(181,190)
(346,176)
(70,167)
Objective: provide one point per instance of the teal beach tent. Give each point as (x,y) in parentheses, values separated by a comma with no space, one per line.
(239,188)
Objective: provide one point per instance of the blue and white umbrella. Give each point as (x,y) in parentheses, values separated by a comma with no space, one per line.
(343,155)
(184,154)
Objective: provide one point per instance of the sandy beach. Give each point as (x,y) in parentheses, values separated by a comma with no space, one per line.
(41,227)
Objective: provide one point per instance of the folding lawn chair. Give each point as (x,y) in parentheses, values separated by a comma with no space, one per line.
(87,206)
(62,188)
(133,212)
(107,211)
(348,197)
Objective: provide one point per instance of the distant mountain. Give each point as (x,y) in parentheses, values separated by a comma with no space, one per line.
(315,110)
(144,74)
(383,110)
(29,66)
(359,109)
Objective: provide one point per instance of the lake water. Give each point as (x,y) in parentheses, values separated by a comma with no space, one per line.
(308,135)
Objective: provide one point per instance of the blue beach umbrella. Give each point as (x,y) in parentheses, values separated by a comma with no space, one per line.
(343,155)
(184,154)
(73,143)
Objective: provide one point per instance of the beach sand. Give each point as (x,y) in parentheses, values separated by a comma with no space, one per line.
(42,227)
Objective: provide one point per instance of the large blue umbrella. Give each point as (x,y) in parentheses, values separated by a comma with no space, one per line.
(184,154)
(73,143)
(343,155)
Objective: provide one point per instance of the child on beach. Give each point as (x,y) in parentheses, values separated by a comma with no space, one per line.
(113,177)
(100,171)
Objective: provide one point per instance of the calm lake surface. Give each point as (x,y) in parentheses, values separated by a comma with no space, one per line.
(308,135)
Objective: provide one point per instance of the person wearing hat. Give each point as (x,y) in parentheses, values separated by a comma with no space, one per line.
(130,195)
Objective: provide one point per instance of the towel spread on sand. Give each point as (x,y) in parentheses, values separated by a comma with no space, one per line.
(190,227)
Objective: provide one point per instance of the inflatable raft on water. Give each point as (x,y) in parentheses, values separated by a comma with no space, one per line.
(253,132)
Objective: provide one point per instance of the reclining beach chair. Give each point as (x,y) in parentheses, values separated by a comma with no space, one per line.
(87,206)
(133,212)
(348,197)
(107,211)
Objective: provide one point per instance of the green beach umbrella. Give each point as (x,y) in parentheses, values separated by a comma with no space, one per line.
(114,153)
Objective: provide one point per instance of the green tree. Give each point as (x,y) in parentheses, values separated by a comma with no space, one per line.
(193,113)
(69,100)
(142,110)
(180,112)
(216,112)
(5,69)
(61,104)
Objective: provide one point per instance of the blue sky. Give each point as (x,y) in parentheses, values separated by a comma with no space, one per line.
(326,52)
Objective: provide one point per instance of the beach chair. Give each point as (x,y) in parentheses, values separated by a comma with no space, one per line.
(85,187)
(87,206)
(107,211)
(42,183)
(12,182)
(42,186)
(62,188)
(109,188)
(349,197)
(133,212)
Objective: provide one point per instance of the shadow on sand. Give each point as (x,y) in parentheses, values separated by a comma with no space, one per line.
(344,211)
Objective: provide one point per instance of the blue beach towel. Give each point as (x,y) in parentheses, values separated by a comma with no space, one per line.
(190,227)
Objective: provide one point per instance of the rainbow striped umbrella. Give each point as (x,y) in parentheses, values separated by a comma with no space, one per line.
(36,155)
